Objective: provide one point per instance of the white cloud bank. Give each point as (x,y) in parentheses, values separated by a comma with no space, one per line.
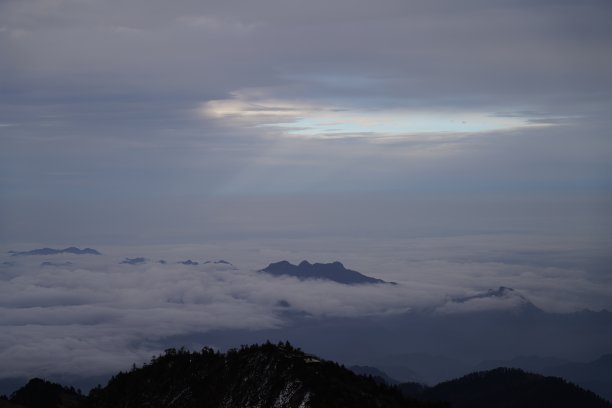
(96,315)
(90,311)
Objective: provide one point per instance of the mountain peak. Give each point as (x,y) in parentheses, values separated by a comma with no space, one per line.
(41,393)
(219,262)
(500,292)
(334,271)
(502,298)
(189,262)
(134,261)
(253,376)
(508,387)
(51,251)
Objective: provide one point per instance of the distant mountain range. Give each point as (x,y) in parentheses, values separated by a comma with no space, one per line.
(188,262)
(334,271)
(282,376)
(51,251)
(219,262)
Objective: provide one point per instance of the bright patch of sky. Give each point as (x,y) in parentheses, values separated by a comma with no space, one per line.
(320,121)
(359,122)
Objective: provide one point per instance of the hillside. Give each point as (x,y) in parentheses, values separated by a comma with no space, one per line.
(507,388)
(285,377)
(254,376)
(38,393)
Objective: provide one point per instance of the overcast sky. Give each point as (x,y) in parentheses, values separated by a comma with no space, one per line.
(113,100)
(133,122)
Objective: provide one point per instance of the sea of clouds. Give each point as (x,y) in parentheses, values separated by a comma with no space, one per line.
(95,314)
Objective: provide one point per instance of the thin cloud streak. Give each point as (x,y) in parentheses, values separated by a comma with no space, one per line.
(300,119)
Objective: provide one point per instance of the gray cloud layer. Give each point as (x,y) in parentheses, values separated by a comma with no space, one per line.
(101,98)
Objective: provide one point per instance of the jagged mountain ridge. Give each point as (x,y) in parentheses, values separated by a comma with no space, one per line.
(52,251)
(334,271)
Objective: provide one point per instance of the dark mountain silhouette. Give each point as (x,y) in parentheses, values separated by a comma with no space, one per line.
(253,376)
(5,403)
(189,262)
(51,251)
(134,261)
(378,375)
(534,364)
(423,367)
(220,261)
(507,388)
(334,271)
(594,375)
(38,393)
(282,376)
(503,293)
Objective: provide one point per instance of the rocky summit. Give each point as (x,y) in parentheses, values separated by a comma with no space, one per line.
(334,271)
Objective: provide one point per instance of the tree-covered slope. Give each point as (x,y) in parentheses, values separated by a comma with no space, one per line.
(254,376)
(508,388)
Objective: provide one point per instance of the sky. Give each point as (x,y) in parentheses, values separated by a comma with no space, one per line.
(453,146)
(117,101)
